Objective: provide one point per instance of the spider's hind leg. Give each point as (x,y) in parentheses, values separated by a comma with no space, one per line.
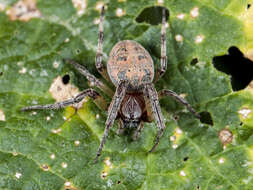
(121,129)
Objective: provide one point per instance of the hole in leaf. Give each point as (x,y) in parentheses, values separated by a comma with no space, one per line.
(176,117)
(205,117)
(152,15)
(248,6)
(236,65)
(198,187)
(78,51)
(186,158)
(194,61)
(1,73)
(241,123)
(118,182)
(65,79)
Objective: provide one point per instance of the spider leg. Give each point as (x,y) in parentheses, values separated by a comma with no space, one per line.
(88,92)
(99,55)
(121,128)
(93,81)
(164,92)
(112,113)
(150,93)
(163,58)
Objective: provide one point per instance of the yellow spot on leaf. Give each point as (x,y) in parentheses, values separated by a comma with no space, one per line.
(69,186)
(18,175)
(52,156)
(2,116)
(221,160)
(64,165)
(107,166)
(251,154)
(225,136)
(175,138)
(96,21)
(23,10)
(48,118)
(23,70)
(194,12)
(45,167)
(56,64)
(244,112)
(182,173)
(199,39)
(160,2)
(69,112)
(80,6)
(77,143)
(2,6)
(181,16)
(55,131)
(99,5)
(61,91)
(179,38)
(120,12)
(14,153)
(183,95)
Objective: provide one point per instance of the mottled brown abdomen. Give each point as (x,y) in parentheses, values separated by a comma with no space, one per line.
(131,62)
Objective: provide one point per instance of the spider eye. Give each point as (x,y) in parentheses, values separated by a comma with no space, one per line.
(122,58)
(131,124)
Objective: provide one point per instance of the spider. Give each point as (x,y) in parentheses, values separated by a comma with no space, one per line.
(130,68)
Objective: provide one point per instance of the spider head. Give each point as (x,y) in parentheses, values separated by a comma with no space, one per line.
(131,111)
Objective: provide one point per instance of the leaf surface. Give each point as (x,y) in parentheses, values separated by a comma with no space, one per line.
(55,149)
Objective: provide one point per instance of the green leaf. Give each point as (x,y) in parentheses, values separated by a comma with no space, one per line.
(55,149)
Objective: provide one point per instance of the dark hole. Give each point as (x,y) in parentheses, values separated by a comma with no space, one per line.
(194,61)
(205,117)
(236,65)
(1,73)
(65,79)
(118,182)
(241,123)
(249,5)
(176,117)
(78,51)
(186,158)
(152,15)
(198,187)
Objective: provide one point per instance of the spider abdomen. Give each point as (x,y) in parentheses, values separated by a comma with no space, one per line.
(130,61)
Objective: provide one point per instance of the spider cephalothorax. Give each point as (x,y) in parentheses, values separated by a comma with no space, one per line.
(130,68)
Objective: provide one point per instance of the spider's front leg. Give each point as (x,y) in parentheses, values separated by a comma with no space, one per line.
(151,96)
(99,55)
(164,93)
(112,113)
(98,99)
